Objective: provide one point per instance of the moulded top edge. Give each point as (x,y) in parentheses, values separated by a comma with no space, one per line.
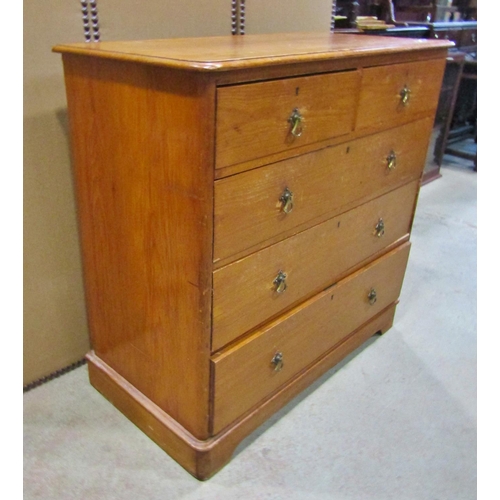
(224,53)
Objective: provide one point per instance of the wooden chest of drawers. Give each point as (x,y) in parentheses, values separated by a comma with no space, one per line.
(245,207)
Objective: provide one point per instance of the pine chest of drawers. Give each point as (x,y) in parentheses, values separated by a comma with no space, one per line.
(245,206)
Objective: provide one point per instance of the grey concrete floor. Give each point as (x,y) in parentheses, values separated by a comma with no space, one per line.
(396,420)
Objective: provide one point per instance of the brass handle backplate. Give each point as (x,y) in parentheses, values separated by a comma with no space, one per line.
(277,361)
(286,200)
(391,160)
(405,95)
(296,120)
(380,228)
(372,296)
(280,282)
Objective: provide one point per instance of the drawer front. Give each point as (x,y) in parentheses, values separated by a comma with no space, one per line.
(395,94)
(258,119)
(245,375)
(248,292)
(248,210)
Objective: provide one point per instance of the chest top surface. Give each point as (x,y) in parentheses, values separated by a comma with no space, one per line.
(223,53)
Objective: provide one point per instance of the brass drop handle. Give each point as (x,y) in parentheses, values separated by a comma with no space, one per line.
(372,296)
(277,361)
(287,201)
(380,228)
(296,120)
(391,160)
(280,282)
(405,95)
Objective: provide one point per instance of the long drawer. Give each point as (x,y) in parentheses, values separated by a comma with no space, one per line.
(249,291)
(259,119)
(253,369)
(251,207)
(398,93)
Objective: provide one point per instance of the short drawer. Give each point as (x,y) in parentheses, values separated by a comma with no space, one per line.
(395,94)
(246,374)
(249,291)
(250,208)
(259,119)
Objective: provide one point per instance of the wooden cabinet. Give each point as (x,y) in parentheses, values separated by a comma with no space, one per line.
(434,10)
(456,106)
(245,207)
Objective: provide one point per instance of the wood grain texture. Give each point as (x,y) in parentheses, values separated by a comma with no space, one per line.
(145,198)
(148,416)
(238,168)
(244,294)
(223,53)
(380,102)
(244,374)
(261,73)
(203,458)
(253,119)
(162,239)
(248,214)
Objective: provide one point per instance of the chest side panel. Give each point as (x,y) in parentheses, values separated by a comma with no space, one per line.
(143,153)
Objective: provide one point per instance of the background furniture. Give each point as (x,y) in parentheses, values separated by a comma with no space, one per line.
(463,123)
(456,114)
